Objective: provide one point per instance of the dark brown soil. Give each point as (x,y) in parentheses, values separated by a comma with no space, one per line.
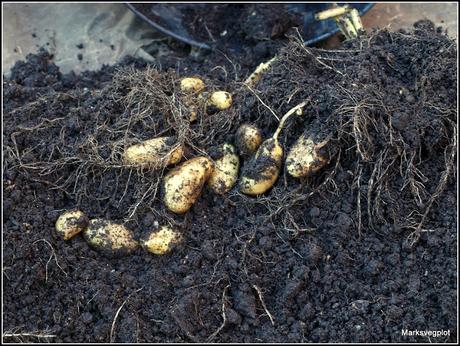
(356,253)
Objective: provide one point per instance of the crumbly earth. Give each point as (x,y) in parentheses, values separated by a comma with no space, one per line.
(344,256)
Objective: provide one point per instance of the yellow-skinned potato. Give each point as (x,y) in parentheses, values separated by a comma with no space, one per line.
(221,100)
(70,223)
(152,151)
(192,84)
(248,139)
(162,240)
(305,157)
(262,171)
(193,115)
(225,173)
(110,238)
(183,185)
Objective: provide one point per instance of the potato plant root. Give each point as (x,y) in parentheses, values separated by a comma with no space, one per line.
(356,252)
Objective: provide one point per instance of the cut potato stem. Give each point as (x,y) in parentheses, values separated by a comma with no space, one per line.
(331,13)
(356,20)
(285,117)
(346,26)
(347,19)
(258,72)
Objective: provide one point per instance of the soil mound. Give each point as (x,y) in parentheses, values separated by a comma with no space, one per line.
(355,253)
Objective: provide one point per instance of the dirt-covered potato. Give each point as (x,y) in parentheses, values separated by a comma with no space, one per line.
(225,173)
(192,84)
(261,172)
(110,238)
(221,100)
(152,151)
(306,157)
(183,185)
(263,169)
(161,241)
(70,223)
(248,139)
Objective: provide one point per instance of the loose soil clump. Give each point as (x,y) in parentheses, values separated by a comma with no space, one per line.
(355,253)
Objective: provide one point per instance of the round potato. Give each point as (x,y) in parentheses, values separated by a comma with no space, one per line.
(221,100)
(153,151)
(192,84)
(225,173)
(248,139)
(70,223)
(261,172)
(305,157)
(183,185)
(110,238)
(193,115)
(162,240)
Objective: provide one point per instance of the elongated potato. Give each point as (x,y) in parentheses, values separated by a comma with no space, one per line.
(248,139)
(70,223)
(306,157)
(152,151)
(225,173)
(162,240)
(221,100)
(192,84)
(110,238)
(183,185)
(262,171)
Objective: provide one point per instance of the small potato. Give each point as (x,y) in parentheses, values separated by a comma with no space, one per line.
(110,238)
(226,169)
(183,185)
(161,241)
(192,84)
(221,100)
(152,151)
(306,157)
(193,115)
(262,171)
(248,139)
(70,223)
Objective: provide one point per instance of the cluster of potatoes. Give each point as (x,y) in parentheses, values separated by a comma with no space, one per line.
(183,184)
(115,239)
